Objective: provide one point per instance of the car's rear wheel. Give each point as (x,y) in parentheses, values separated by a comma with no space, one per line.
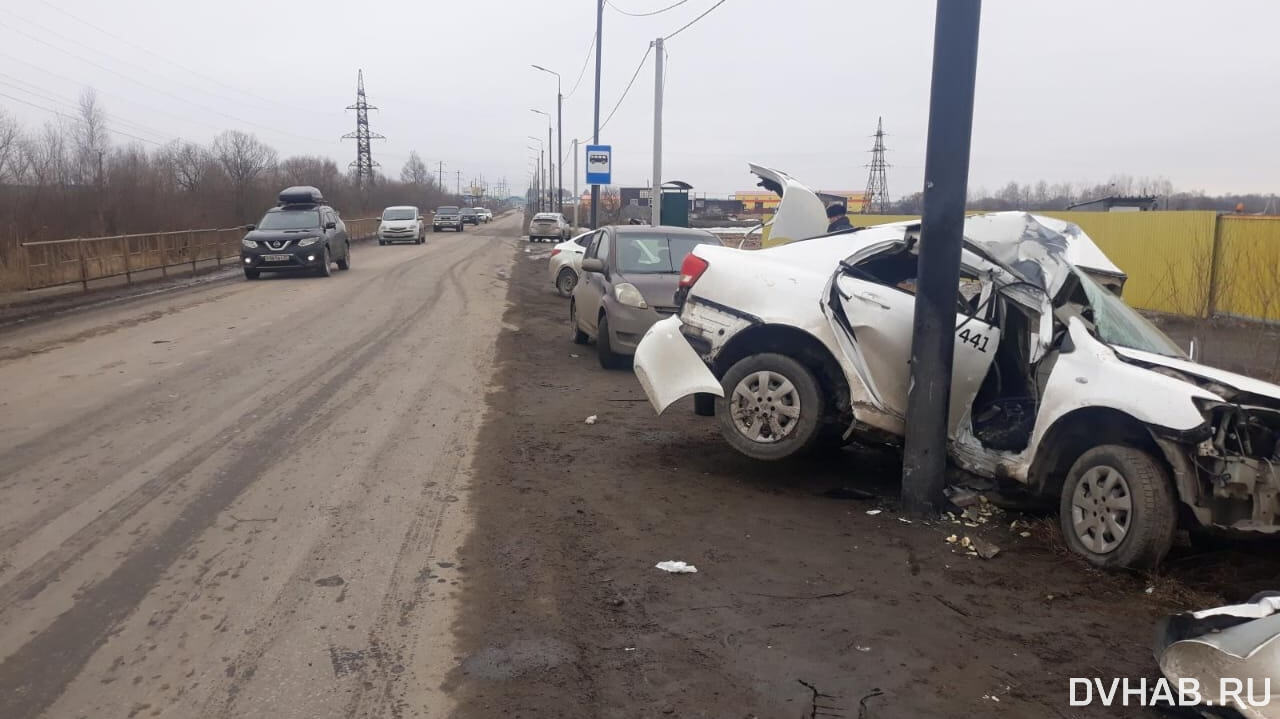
(604,347)
(325,270)
(345,262)
(579,337)
(772,407)
(251,274)
(1118,509)
(566,280)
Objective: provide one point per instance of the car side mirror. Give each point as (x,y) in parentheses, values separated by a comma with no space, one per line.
(250,228)
(592,264)
(331,225)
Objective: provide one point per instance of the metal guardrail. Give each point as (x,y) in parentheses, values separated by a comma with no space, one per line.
(81,260)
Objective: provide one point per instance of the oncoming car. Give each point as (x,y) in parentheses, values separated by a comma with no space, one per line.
(402,223)
(1058,384)
(470,215)
(301,234)
(447,216)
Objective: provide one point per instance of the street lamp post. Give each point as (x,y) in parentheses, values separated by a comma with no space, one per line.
(559,140)
(542,169)
(551,167)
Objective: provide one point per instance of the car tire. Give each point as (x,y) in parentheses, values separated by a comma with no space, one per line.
(579,337)
(704,405)
(604,347)
(325,270)
(382,243)
(1132,490)
(435,229)
(345,263)
(566,280)
(800,433)
(252,274)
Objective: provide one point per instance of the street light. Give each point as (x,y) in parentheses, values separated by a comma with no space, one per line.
(551,166)
(559,137)
(542,165)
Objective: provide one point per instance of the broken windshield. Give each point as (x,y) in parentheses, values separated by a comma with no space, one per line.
(1119,324)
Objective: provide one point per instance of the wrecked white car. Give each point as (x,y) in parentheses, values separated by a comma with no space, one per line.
(1058,384)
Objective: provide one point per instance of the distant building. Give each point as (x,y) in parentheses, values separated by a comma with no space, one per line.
(709,208)
(763,202)
(1117,203)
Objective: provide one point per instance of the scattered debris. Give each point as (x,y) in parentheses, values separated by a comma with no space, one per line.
(952,539)
(334,581)
(592,419)
(904,520)
(874,512)
(1024,535)
(575,356)
(1149,590)
(962,497)
(985,549)
(861,648)
(675,567)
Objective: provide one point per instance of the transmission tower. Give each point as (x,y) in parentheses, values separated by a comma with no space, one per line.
(363,164)
(877,196)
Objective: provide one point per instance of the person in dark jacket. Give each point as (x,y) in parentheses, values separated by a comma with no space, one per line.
(838,218)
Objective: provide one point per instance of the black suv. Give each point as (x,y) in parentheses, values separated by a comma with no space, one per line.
(469,215)
(301,234)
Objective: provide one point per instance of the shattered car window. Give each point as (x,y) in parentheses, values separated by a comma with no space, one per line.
(1119,324)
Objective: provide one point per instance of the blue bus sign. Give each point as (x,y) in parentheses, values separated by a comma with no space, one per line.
(599,164)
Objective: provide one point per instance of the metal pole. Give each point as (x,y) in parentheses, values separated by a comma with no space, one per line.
(559,148)
(595,137)
(551,181)
(577,203)
(655,202)
(542,171)
(946,173)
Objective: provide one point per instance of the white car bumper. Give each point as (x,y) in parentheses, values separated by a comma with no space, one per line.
(668,367)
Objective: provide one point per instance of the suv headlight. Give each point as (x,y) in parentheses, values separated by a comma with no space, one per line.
(308,241)
(251,244)
(627,294)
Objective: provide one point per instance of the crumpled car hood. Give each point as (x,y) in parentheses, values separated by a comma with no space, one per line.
(1238,382)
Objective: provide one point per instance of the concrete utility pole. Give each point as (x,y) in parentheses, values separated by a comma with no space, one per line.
(595,136)
(440,174)
(551,181)
(576,197)
(946,175)
(655,202)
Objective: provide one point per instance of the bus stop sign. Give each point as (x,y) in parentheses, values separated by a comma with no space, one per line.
(599,164)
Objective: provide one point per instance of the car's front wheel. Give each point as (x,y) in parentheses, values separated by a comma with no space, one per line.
(1118,508)
(772,407)
(325,270)
(566,280)
(604,347)
(345,262)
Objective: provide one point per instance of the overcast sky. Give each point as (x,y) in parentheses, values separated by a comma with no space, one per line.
(1067,91)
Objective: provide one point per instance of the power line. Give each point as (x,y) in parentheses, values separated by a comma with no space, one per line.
(167,60)
(61,114)
(629,84)
(591,50)
(645,14)
(21,86)
(691,22)
(206,108)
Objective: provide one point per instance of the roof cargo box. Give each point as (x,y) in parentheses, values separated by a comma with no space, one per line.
(301,195)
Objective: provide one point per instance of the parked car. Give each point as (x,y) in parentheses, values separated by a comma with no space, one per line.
(629,278)
(549,226)
(566,263)
(469,216)
(447,216)
(1057,384)
(301,234)
(402,223)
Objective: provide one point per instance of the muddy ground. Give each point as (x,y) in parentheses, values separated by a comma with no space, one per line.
(805,604)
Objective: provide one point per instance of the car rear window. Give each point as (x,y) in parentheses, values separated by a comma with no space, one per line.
(290,220)
(655,254)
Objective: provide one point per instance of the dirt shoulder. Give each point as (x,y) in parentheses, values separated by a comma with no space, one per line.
(802,600)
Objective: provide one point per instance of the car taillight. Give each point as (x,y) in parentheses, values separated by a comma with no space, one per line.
(555,252)
(691,269)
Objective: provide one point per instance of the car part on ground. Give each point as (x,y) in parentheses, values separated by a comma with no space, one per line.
(1057,383)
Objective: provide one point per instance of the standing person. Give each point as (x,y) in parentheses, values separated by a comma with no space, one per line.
(838,218)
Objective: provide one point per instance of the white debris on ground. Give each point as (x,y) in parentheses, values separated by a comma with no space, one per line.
(676,567)
(874,512)
(592,419)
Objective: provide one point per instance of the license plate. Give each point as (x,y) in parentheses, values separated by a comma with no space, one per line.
(276,258)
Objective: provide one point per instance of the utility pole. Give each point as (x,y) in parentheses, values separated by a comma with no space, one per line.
(946,174)
(551,183)
(363,164)
(542,168)
(595,136)
(576,197)
(876,198)
(458,188)
(440,173)
(655,202)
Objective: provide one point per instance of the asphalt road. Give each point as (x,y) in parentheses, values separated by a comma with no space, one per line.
(244,499)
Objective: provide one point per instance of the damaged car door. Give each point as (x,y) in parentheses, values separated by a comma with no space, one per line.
(871,305)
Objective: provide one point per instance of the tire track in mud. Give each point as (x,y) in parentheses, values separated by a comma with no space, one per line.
(375,678)
(63,648)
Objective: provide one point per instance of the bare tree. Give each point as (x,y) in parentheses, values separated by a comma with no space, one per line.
(245,159)
(193,165)
(90,137)
(10,152)
(415,171)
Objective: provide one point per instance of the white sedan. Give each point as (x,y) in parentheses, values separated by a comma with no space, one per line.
(565,264)
(1057,384)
